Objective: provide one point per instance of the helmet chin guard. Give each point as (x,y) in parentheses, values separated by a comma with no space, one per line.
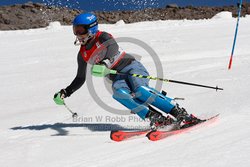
(83,41)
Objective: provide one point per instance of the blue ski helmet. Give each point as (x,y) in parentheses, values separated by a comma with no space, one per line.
(88,20)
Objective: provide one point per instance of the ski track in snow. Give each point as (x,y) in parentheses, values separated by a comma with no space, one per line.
(36,63)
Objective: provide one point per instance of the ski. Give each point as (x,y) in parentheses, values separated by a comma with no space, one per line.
(125,135)
(161,134)
(120,135)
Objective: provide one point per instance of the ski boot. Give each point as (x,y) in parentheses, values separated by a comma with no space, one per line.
(157,120)
(183,118)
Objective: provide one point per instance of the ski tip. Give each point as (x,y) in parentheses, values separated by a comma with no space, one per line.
(213,117)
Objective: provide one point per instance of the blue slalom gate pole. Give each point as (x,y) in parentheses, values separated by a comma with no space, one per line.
(235,35)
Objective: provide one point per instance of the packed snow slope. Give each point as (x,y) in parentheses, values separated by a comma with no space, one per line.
(34,64)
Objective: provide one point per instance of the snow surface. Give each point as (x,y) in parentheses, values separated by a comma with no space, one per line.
(36,63)
(223,15)
(56,25)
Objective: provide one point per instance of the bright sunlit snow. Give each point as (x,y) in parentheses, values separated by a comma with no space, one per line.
(35,64)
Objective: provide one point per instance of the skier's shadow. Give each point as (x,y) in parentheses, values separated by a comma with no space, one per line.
(61,127)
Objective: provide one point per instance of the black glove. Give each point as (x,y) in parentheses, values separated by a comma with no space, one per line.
(63,94)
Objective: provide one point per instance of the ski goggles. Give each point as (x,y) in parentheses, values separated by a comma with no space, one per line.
(80,30)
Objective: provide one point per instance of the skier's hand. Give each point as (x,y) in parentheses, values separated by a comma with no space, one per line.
(99,70)
(59,97)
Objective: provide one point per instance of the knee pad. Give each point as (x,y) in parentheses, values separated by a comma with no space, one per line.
(125,98)
(151,96)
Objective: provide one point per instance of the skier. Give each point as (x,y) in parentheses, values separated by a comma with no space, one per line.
(100,48)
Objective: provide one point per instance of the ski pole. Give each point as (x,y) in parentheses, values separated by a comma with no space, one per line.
(235,35)
(173,81)
(74,114)
(101,71)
